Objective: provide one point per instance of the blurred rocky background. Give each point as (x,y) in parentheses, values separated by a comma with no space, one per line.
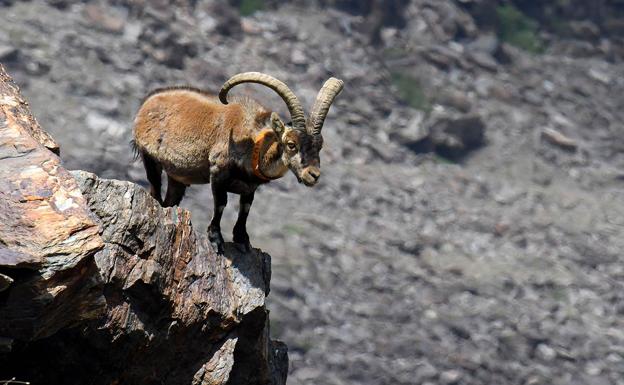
(469,222)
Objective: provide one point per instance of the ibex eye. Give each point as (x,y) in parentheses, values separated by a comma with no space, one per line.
(291,145)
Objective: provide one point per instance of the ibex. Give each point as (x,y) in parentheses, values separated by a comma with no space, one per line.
(198,138)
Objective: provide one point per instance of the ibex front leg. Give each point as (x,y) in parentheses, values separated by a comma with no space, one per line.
(219,195)
(240,228)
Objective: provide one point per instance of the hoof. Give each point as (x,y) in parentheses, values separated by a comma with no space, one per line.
(218,248)
(244,247)
(241,240)
(216,240)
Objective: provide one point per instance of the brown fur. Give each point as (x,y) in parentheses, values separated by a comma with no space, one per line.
(188,131)
(269,162)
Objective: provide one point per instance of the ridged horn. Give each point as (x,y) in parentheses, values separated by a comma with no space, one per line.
(295,108)
(324,100)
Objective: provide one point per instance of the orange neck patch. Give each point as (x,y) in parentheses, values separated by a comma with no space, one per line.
(259,142)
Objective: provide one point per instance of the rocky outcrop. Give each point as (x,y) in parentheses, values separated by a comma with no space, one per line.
(47,235)
(100,285)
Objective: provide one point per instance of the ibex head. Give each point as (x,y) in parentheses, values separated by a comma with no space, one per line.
(301,140)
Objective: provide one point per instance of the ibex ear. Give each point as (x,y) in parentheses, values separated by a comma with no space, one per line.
(277,125)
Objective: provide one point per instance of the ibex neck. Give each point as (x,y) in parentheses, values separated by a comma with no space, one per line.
(266,162)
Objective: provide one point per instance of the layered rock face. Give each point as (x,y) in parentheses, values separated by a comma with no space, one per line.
(101,285)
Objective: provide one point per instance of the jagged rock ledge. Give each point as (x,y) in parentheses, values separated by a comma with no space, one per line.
(101,285)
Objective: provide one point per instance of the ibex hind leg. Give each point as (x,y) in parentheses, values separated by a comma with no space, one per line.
(175,192)
(153,170)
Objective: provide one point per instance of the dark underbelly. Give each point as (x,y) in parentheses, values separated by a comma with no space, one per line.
(238,182)
(191,179)
(237,186)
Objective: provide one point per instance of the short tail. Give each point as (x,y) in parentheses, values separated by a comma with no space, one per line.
(135,150)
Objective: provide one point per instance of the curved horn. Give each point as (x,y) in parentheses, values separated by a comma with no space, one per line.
(324,100)
(294,106)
